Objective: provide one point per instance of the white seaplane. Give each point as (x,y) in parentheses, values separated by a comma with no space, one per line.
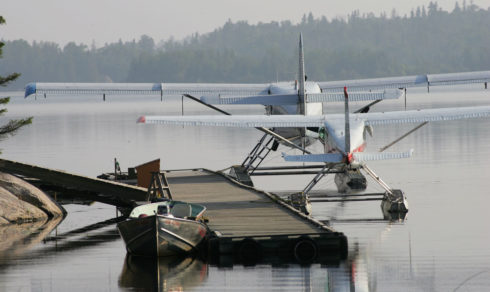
(344,137)
(295,114)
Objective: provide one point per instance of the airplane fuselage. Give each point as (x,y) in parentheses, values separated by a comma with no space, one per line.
(335,137)
(298,136)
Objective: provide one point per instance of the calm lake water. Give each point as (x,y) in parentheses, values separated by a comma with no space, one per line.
(443,245)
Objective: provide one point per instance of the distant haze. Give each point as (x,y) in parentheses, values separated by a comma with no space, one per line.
(104,21)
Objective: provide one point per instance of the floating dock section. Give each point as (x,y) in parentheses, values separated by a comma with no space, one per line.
(251,226)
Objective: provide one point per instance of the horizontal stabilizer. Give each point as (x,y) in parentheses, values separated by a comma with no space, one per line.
(292,99)
(283,99)
(362,156)
(327,157)
(374,83)
(354,96)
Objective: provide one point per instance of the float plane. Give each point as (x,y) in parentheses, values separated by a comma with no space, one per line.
(344,138)
(295,115)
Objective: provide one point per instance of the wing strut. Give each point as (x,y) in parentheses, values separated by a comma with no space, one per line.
(366,108)
(403,136)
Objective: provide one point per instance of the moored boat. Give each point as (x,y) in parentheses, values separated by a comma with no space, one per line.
(163,228)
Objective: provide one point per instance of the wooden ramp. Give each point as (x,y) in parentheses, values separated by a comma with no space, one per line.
(250,225)
(76,186)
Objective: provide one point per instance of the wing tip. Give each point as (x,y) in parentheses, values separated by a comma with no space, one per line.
(30,89)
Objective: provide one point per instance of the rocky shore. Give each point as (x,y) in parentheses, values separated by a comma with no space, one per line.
(22,202)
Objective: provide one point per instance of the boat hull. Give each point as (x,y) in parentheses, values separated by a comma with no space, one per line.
(161,235)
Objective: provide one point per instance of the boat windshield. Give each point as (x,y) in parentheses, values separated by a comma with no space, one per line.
(174,208)
(162,210)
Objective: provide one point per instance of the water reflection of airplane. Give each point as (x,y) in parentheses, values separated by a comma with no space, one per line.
(298,114)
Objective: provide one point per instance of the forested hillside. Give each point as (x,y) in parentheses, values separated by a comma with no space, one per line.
(428,40)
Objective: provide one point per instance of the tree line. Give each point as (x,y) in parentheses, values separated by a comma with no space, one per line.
(428,40)
(12,126)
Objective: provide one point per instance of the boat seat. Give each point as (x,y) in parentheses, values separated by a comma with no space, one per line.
(181,210)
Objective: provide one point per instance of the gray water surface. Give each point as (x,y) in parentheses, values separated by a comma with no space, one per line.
(443,245)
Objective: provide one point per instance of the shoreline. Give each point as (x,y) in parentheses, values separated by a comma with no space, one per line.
(21,202)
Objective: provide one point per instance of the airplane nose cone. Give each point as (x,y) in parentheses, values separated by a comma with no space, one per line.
(142,120)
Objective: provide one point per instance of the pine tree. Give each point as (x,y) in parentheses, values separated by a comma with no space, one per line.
(12,126)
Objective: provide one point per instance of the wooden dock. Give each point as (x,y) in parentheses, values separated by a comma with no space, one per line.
(247,226)
(252,225)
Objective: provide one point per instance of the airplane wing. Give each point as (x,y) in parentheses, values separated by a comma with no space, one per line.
(240,121)
(407,81)
(425,115)
(292,99)
(167,89)
(292,121)
(211,93)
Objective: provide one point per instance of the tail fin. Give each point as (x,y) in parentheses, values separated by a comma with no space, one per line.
(301,77)
(347,123)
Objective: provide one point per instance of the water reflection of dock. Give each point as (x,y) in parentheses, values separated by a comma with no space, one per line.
(246,224)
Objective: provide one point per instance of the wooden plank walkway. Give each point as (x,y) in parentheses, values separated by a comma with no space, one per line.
(236,210)
(252,226)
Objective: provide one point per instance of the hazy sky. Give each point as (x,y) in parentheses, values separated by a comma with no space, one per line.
(101,21)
